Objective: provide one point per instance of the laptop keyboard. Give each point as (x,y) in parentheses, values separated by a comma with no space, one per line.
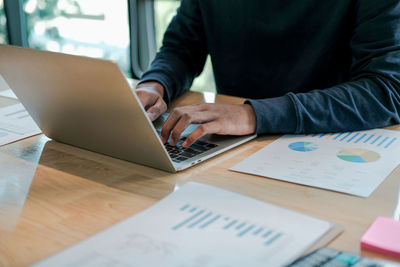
(179,154)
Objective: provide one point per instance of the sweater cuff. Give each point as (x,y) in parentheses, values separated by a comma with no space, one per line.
(157,77)
(274,115)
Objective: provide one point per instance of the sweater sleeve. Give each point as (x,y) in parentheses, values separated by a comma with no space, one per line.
(183,52)
(370,99)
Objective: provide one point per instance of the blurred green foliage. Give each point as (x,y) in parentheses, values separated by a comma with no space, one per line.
(41,10)
(46,10)
(3,25)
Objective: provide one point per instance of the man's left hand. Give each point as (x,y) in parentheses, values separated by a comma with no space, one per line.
(224,119)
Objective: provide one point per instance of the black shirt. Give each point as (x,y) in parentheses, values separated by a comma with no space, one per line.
(305,65)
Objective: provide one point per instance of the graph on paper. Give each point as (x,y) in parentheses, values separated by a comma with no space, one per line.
(200,225)
(203,219)
(353,162)
(371,138)
(357,155)
(303,146)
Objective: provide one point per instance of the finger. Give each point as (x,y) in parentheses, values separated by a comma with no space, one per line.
(202,130)
(146,99)
(186,120)
(157,109)
(170,124)
(171,121)
(191,114)
(179,127)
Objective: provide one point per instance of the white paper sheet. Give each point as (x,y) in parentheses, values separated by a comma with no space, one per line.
(8,93)
(199,225)
(16,124)
(354,162)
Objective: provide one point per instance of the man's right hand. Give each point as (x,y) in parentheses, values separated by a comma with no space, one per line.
(151,96)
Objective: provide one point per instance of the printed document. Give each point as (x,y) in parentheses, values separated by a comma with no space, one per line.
(16,124)
(200,225)
(8,93)
(353,162)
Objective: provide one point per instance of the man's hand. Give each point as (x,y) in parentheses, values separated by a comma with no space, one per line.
(214,118)
(151,96)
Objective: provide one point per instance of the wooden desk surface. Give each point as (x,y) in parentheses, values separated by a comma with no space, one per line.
(53,195)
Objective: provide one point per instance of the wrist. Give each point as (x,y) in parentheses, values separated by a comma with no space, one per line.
(250,117)
(152,86)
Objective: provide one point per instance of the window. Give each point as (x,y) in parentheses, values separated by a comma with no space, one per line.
(3,25)
(95,28)
(126,31)
(164,11)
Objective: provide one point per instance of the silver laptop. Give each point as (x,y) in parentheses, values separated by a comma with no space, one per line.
(88,103)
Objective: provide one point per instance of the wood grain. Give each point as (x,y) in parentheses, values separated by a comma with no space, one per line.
(74,193)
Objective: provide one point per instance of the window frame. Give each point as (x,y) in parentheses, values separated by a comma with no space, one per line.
(16,23)
(142,35)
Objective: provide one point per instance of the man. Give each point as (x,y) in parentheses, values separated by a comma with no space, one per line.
(306,66)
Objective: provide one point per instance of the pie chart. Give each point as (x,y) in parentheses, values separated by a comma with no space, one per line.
(303,146)
(358,155)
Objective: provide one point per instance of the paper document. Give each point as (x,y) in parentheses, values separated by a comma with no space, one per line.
(199,225)
(16,124)
(8,93)
(354,162)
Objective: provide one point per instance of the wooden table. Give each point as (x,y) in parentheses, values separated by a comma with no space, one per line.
(56,195)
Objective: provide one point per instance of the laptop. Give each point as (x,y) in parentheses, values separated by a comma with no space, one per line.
(88,103)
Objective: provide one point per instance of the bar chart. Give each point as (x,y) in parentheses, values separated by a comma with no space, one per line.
(199,225)
(374,139)
(202,219)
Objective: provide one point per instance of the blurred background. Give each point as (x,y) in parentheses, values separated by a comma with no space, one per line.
(96,28)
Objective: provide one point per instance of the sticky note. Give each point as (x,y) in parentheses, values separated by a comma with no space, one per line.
(383,236)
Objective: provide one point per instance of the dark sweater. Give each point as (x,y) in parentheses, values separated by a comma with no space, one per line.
(305,65)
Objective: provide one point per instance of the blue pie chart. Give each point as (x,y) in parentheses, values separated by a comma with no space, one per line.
(303,146)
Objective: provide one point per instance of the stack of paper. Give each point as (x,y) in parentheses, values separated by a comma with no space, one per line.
(200,225)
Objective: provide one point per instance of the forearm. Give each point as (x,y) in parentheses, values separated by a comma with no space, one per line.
(362,104)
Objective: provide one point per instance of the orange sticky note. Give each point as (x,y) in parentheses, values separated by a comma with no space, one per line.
(383,236)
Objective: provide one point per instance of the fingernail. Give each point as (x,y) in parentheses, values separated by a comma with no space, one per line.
(184,144)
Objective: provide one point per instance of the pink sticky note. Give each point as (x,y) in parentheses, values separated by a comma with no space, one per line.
(383,236)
